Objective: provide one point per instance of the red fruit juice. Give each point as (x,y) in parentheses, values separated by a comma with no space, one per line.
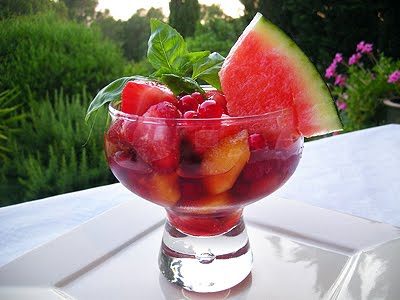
(183,188)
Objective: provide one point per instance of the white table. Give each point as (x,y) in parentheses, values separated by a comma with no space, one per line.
(355,173)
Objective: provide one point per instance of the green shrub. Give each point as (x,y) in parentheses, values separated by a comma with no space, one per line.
(8,119)
(13,8)
(142,67)
(44,53)
(48,154)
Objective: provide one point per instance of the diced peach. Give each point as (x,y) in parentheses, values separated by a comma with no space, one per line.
(223,163)
(220,183)
(224,156)
(211,204)
(163,188)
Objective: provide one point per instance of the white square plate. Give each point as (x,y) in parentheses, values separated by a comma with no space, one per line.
(300,252)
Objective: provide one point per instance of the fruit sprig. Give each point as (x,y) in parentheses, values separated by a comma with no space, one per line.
(176,67)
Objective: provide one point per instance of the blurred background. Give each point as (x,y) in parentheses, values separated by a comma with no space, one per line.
(56,54)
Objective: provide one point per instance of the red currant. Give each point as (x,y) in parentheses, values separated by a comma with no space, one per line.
(256,141)
(190,114)
(218,97)
(187,102)
(210,109)
(199,97)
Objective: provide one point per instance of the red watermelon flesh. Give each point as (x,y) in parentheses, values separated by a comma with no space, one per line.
(265,71)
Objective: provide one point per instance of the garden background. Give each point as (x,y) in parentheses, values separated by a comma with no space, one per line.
(55,56)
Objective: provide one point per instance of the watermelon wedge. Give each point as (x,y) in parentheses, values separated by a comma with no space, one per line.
(266,71)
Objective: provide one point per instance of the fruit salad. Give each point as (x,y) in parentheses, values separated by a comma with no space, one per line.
(187,154)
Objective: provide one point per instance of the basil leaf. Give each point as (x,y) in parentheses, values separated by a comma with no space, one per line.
(191,58)
(207,69)
(109,93)
(166,47)
(179,84)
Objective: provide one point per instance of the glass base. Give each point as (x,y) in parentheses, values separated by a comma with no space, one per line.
(205,264)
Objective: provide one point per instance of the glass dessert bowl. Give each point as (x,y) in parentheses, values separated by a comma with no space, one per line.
(203,172)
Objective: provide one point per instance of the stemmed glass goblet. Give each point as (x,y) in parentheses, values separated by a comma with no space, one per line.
(203,172)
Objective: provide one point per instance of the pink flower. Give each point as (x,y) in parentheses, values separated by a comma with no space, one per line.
(367,48)
(363,47)
(341,105)
(340,80)
(394,77)
(331,70)
(338,58)
(354,58)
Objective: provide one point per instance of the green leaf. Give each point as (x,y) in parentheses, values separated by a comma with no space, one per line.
(166,47)
(179,84)
(191,58)
(109,93)
(207,69)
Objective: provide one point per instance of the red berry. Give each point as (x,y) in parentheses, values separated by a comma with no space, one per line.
(210,109)
(199,97)
(157,143)
(138,95)
(218,97)
(190,114)
(187,102)
(256,141)
(163,110)
(114,132)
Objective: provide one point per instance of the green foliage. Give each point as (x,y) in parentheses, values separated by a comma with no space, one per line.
(136,33)
(48,153)
(109,27)
(42,53)
(364,91)
(8,119)
(143,68)
(184,15)
(83,11)
(217,34)
(14,8)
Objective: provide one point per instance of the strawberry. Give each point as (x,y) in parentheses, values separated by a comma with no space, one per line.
(138,95)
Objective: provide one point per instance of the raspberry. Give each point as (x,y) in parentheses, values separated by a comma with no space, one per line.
(157,143)
(163,110)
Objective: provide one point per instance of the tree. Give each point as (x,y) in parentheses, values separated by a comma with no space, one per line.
(215,31)
(83,11)
(110,28)
(251,7)
(136,33)
(211,12)
(13,8)
(184,15)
